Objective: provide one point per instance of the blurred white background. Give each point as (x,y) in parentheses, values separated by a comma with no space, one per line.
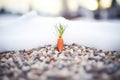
(26,24)
(65,8)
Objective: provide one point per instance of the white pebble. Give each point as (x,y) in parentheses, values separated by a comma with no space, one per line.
(30,61)
(44,53)
(55,56)
(42,57)
(35,66)
(105,77)
(49,52)
(25,68)
(5,78)
(10,60)
(86,57)
(91,54)
(3,59)
(22,78)
(62,56)
(76,77)
(79,51)
(77,60)
(56,52)
(75,47)
(83,63)
(71,50)
(32,76)
(102,54)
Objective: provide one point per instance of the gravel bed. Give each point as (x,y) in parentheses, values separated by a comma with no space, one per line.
(73,63)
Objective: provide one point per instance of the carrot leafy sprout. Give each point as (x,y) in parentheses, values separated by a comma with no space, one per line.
(60,29)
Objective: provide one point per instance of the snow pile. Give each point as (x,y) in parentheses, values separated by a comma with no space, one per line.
(31,30)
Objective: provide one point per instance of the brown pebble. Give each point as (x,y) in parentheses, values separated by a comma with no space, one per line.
(110,54)
(65,53)
(53,59)
(36,71)
(29,52)
(1,56)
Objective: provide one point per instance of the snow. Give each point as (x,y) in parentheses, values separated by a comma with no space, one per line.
(31,31)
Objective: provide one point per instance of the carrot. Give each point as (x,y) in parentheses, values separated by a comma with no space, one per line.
(60,42)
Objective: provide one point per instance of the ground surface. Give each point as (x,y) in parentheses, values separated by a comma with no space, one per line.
(73,63)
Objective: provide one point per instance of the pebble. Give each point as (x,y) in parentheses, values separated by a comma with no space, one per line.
(5,78)
(26,68)
(35,66)
(55,56)
(29,52)
(62,56)
(76,77)
(60,66)
(100,65)
(32,76)
(83,63)
(92,58)
(71,51)
(42,57)
(57,77)
(95,54)
(10,60)
(91,54)
(102,54)
(1,56)
(88,68)
(44,53)
(73,63)
(77,60)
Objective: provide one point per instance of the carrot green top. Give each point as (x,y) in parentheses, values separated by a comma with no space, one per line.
(60,30)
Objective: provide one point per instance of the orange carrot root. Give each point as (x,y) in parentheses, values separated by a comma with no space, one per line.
(60,44)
